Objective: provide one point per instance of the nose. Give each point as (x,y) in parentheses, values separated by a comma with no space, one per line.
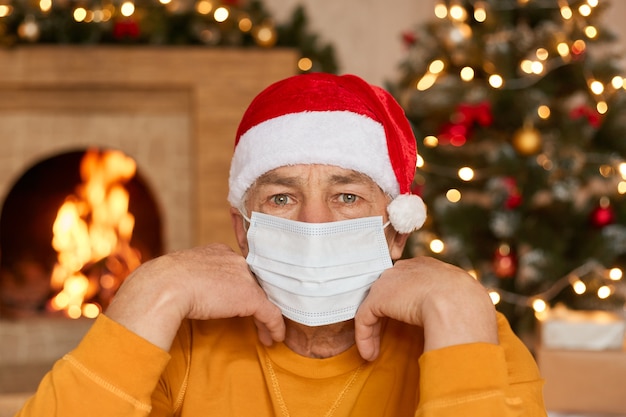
(315,210)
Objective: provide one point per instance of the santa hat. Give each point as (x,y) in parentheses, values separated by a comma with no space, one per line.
(321,118)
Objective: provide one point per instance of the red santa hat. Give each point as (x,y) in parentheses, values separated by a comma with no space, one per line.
(321,118)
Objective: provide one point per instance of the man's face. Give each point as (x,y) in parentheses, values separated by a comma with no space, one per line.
(317,194)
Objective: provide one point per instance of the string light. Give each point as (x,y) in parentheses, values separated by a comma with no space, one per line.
(496,81)
(480,13)
(127,9)
(441,11)
(437,246)
(221,14)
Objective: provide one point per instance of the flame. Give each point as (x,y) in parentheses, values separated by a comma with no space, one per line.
(94,227)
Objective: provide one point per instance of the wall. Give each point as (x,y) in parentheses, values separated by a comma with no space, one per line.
(367,33)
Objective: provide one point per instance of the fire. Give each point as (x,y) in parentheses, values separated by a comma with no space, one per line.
(91,235)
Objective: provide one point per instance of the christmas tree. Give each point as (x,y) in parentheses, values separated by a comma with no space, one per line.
(517,108)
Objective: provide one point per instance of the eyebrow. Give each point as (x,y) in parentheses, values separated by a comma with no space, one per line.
(272,178)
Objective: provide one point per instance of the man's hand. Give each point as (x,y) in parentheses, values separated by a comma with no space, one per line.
(448,303)
(208,282)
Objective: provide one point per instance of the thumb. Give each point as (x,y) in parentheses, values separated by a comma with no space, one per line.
(367,333)
(270,324)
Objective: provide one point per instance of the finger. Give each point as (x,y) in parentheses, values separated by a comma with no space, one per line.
(270,324)
(367,333)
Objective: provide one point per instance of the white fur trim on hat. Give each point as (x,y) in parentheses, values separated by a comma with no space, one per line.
(340,138)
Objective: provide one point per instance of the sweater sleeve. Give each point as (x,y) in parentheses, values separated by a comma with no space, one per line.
(112,372)
(481,379)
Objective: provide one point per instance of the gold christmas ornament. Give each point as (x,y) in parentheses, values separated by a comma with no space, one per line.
(527,141)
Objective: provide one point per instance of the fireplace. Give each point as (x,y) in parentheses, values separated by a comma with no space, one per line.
(174,111)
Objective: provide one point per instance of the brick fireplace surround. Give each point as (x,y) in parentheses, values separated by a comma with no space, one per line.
(174,110)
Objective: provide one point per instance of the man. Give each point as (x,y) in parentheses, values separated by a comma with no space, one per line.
(315,319)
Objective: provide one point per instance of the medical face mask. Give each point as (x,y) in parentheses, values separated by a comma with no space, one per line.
(317,273)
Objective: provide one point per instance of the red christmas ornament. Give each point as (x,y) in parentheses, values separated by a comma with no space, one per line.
(593,117)
(514,198)
(504,262)
(126,29)
(464,119)
(602,216)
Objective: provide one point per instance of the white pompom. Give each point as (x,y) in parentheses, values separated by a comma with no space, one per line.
(407,213)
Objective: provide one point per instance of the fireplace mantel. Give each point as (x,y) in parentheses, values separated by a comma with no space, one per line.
(173,109)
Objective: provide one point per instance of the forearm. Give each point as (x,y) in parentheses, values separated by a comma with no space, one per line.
(481,379)
(111,372)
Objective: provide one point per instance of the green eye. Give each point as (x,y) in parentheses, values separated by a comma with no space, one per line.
(348,198)
(280,199)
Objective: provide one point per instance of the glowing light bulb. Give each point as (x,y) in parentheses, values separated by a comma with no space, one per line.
(591,32)
(527,66)
(441,11)
(615,274)
(436,246)
(467,74)
(596,87)
(466,173)
(602,107)
(204,7)
(436,66)
(427,81)
(537,67)
(543,112)
(419,162)
(539,305)
(496,81)
(458,13)
(45,5)
(566,12)
(453,195)
(80,14)
(563,49)
(584,10)
(604,292)
(305,64)
(221,14)
(480,13)
(542,54)
(579,287)
(245,24)
(127,9)
(617,82)
(433,142)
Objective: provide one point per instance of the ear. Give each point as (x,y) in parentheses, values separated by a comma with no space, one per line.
(240,231)
(397,242)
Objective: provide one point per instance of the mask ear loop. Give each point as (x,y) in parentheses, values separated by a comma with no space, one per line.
(244,219)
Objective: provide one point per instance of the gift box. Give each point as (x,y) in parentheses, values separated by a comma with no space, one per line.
(584,381)
(562,328)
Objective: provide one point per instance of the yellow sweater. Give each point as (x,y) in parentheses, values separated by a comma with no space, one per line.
(218,368)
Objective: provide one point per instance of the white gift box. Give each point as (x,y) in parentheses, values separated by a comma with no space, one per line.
(562,328)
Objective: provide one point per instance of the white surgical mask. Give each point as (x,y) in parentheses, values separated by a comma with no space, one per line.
(317,273)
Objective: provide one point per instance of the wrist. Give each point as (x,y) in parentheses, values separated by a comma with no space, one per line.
(460,315)
(149,307)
